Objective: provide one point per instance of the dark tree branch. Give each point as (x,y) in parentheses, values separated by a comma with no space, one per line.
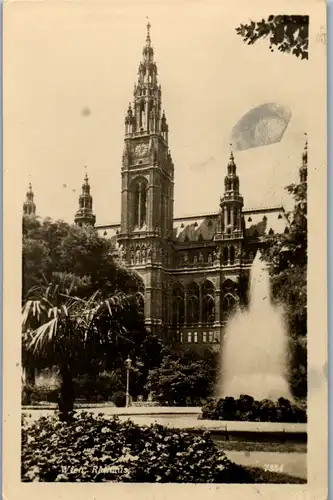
(289,34)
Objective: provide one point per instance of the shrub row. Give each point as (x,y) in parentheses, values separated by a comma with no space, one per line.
(105,386)
(97,449)
(32,394)
(43,394)
(248,409)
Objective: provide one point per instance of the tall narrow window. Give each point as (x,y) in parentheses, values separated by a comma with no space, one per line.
(136,205)
(139,204)
(189,337)
(232,255)
(143,204)
(208,302)
(178,306)
(225,255)
(193,294)
(228,305)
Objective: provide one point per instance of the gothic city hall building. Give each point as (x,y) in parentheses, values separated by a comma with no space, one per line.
(193,268)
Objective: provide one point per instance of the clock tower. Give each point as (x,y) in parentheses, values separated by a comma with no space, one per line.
(146,230)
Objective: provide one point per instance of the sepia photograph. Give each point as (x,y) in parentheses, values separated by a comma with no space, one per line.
(162,156)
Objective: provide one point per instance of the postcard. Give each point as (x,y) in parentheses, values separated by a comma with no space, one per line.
(165,303)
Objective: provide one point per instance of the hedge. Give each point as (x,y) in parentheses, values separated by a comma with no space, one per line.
(248,409)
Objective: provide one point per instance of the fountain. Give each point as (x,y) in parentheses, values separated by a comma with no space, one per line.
(254,352)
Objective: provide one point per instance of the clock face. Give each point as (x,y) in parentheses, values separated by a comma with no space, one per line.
(141,149)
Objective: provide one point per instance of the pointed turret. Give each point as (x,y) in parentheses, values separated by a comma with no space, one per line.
(231,203)
(231,180)
(29,206)
(84,215)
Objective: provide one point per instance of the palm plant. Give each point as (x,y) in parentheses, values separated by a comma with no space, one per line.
(72,333)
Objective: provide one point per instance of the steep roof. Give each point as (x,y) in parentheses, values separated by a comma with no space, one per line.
(195,228)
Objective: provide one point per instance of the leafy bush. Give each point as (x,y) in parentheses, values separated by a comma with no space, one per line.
(248,409)
(182,381)
(26,391)
(95,448)
(92,389)
(119,399)
(98,388)
(35,394)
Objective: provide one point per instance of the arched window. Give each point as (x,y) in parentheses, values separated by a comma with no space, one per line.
(232,255)
(228,304)
(178,305)
(208,302)
(192,299)
(140,203)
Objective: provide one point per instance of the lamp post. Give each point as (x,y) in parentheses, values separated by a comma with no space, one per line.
(128,364)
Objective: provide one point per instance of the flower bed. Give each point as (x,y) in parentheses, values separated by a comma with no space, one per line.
(248,409)
(97,449)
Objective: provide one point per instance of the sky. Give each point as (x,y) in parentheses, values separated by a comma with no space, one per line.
(64,58)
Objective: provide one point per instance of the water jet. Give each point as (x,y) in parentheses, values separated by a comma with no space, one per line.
(254,349)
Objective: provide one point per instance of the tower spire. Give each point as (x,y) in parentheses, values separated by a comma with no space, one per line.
(145,117)
(85,215)
(29,206)
(148,41)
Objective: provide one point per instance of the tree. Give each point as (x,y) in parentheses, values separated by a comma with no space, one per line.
(51,248)
(63,264)
(149,356)
(290,34)
(182,380)
(74,334)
